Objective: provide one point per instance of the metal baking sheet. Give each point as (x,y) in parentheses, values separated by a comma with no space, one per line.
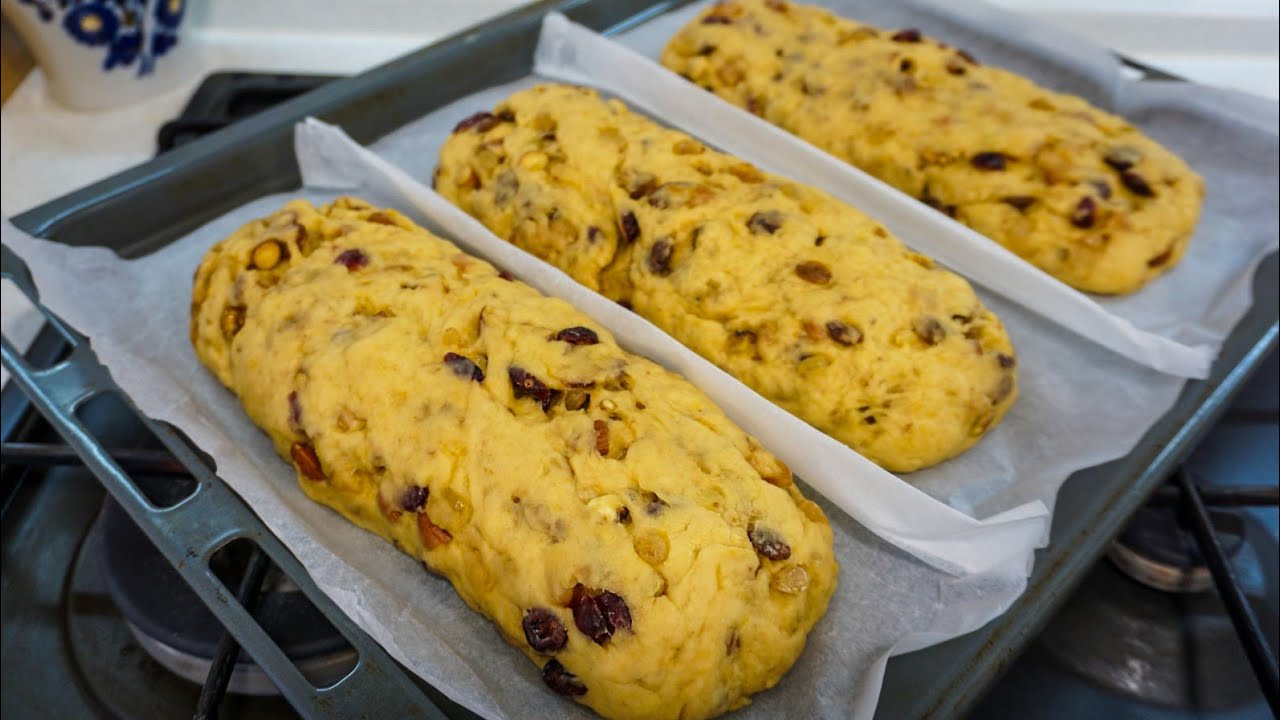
(162,200)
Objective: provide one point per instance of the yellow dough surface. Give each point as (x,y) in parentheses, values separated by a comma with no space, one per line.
(803,298)
(614,525)
(1076,191)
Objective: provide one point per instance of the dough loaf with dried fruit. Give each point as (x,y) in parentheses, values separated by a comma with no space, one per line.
(645,552)
(1076,191)
(803,298)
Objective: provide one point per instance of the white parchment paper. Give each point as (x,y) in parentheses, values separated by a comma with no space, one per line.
(1080,404)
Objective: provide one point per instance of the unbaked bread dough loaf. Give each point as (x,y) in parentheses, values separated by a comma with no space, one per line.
(803,298)
(646,553)
(1077,191)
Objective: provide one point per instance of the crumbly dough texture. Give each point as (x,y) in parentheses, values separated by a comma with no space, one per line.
(1076,191)
(506,440)
(803,298)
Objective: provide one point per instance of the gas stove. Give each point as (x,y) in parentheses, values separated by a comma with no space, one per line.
(1147,636)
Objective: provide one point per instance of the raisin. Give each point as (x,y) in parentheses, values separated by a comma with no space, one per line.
(1085,213)
(577,400)
(543,630)
(967,57)
(353,259)
(989,160)
(1006,361)
(624,515)
(414,498)
(1102,187)
(768,544)
(578,335)
(1136,184)
(1160,259)
(505,115)
(906,65)
(1020,202)
(660,257)
(908,35)
(956,67)
(525,385)
(463,367)
(305,459)
(593,234)
(295,414)
(1122,158)
(615,610)
(561,681)
(602,437)
(814,272)
(630,227)
(506,275)
(870,419)
(843,334)
(481,121)
(706,50)
(929,330)
(765,222)
(588,616)
(717,20)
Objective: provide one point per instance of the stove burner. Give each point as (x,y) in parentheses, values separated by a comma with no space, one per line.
(1158,550)
(175,628)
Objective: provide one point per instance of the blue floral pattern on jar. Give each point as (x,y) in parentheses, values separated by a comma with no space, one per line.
(133,32)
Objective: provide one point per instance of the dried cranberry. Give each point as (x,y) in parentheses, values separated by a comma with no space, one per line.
(525,385)
(1020,202)
(955,66)
(814,272)
(967,57)
(1136,184)
(989,160)
(717,20)
(764,223)
(1006,361)
(463,367)
(305,459)
(660,257)
(543,630)
(843,334)
(481,121)
(909,35)
(768,544)
(414,498)
(353,259)
(588,616)
(1085,213)
(615,610)
(593,234)
(506,275)
(630,227)
(578,335)
(561,681)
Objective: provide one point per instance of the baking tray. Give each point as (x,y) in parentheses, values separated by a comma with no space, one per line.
(142,209)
